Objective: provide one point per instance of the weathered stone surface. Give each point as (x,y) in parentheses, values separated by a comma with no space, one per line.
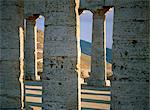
(91,4)
(130,84)
(95,4)
(10,20)
(98,58)
(60,78)
(59,48)
(59,33)
(131,56)
(32,7)
(29,58)
(10,54)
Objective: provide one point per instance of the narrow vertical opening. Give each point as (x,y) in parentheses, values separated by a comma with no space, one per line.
(109,41)
(86,21)
(33,52)
(39,47)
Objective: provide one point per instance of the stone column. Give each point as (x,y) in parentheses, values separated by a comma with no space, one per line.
(10,22)
(98,58)
(131,55)
(37,77)
(30,50)
(60,76)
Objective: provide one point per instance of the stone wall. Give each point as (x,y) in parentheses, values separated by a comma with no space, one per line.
(60,79)
(34,7)
(130,85)
(11,21)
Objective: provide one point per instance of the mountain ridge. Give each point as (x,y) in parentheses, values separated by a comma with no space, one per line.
(86,48)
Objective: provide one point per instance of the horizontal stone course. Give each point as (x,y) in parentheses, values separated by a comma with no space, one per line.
(34,7)
(130,80)
(10,54)
(57,48)
(59,33)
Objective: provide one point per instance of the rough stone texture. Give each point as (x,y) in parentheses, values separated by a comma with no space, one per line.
(98,57)
(32,10)
(91,4)
(131,56)
(29,50)
(34,7)
(130,84)
(60,78)
(95,4)
(10,20)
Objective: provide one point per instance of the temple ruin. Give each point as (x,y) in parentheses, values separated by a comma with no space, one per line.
(61,88)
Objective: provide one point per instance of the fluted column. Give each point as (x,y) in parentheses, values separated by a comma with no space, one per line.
(30,50)
(98,59)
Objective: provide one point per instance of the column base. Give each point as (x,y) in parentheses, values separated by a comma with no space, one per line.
(96,83)
(30,78)
(38,78)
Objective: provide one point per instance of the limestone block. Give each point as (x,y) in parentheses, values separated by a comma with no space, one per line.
(34,7)
(66,19)
(60,78)
(9,64)
(60,48)
(134,28)
(6,42)
(59,33)
(108,2)
(10,54)
(130,83)
(124,103)
(139,86)
(91,4)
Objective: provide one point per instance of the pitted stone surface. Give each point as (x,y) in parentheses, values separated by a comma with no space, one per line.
(29,58)
(130,84)
(34,7)
(98,58)
(10,20)
(131,56)
(60,82)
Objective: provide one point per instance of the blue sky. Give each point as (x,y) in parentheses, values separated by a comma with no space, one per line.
(86,26)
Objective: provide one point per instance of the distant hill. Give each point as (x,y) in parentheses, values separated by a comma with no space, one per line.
(86,48)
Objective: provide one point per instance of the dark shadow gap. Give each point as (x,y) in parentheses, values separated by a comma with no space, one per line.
(95,101)
(95,94)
